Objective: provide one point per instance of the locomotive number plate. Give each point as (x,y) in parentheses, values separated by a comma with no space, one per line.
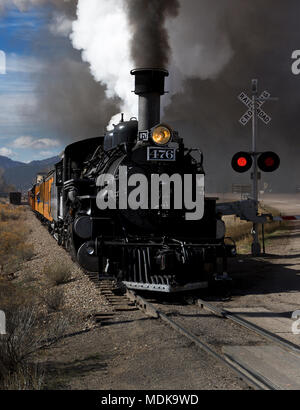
(161,154)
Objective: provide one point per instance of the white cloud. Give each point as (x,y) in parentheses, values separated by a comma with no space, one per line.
(30,142)
(6,152)
(23,64)
(47,154)
(23,5)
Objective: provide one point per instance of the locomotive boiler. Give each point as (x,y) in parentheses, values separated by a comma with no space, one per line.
(130,205)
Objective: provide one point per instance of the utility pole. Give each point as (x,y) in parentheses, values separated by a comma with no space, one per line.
(255,247)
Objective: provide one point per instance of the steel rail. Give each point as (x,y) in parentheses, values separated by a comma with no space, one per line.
(251,377)
(250,326)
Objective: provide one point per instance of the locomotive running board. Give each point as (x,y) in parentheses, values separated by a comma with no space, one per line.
(165,288)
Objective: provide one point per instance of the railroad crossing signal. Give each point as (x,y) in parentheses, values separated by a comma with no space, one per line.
(243,97)
(243,161)
(267,161)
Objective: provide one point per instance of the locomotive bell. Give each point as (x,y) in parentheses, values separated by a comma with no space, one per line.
(149,86)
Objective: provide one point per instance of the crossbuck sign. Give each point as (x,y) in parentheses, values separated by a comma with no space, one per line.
(259,102)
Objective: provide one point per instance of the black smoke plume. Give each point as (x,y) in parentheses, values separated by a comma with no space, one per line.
(260,38)
(150,46)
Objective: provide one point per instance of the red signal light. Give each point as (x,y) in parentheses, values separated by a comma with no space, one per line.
(268,161)
(241,161)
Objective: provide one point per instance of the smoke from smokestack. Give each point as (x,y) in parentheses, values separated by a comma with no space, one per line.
(70,102)
(150,41)
(236,42)
(117,35)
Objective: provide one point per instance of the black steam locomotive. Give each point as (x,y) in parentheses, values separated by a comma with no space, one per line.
(159,247)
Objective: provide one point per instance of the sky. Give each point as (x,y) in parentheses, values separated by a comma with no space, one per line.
(22,137)
(65,83)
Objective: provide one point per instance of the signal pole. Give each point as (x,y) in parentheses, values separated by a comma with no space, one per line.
(255,247)
(255,112)
(256,103)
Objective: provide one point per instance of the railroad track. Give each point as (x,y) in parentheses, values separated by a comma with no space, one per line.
(250,376)
(250,326)
(115,299)
(126,302)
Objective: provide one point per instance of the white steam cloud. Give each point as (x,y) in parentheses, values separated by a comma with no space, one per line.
(102,32)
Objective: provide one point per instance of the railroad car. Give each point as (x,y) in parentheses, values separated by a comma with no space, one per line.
(158,248)
(15,198)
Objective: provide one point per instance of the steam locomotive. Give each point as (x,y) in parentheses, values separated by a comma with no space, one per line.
(160,247)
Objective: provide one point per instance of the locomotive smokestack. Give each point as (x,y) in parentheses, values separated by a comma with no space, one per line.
(149,86)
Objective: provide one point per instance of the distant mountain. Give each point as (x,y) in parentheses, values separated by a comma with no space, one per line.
(22,175)
(6,163)
(44,162)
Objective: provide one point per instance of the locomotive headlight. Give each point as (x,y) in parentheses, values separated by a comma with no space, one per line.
(161,135)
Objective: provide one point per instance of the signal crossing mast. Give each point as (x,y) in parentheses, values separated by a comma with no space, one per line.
(255,247)
(243,161)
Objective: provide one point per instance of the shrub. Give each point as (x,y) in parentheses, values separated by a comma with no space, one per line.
(58,273)
(13,250)
(28,331)
(22,339)
(25,252)
(55,300)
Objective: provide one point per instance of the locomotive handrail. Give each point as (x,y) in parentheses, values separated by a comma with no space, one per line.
(148,244)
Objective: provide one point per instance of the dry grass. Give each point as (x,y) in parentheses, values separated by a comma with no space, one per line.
(13,234)
(54,300)
(14,295)
(26,377)
(22,339)
(29,329)
(58,273)
(28,325)
(17,348)
(240,230)
(10,213)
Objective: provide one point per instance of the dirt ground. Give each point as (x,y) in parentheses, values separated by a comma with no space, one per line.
(272,281)
(266,289)
(130,351)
